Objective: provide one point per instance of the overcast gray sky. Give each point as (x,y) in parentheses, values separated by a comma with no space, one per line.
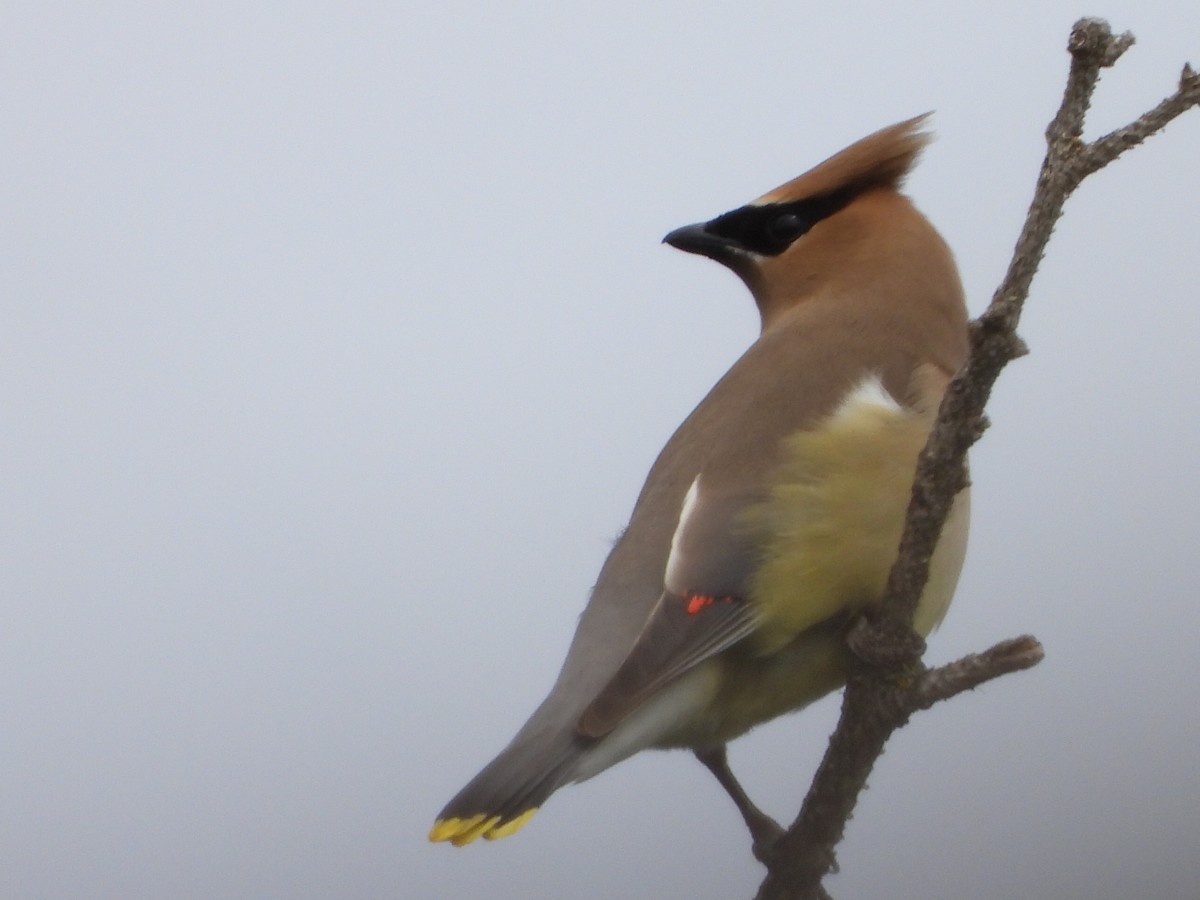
(337,341)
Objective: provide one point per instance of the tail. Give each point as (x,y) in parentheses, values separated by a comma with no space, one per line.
(511,788)
(548,751)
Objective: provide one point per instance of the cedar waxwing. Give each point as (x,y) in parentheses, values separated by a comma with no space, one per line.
(774,512)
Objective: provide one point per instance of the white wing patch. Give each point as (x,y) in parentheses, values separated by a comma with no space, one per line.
(675,559)
(868,393)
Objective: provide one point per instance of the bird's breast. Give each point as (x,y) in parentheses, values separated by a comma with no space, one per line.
(830,524)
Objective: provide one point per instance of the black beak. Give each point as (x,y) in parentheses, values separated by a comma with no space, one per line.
(698,239)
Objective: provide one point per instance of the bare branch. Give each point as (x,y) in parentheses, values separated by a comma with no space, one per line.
(1092,47)
(887,681)
(973,670)
(1104,150)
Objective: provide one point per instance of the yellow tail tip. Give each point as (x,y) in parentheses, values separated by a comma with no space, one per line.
(472,828)
(512,826)
(461,832)
(445,829)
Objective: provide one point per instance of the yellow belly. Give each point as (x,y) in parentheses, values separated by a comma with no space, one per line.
(831,523)
(830,529)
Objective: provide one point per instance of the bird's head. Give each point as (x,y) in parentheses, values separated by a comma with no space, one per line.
(840,227)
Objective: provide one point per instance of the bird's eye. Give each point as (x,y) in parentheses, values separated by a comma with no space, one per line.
(786,228)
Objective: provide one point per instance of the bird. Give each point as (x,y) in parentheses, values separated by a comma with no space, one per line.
(770,519)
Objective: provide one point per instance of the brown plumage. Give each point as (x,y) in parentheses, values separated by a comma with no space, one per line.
(770,513)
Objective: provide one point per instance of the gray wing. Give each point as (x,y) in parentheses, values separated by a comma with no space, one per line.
(703,611)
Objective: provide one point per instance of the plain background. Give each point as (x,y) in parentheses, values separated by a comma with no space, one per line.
(337,339)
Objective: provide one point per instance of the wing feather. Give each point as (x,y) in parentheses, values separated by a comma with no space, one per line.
(682,632)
